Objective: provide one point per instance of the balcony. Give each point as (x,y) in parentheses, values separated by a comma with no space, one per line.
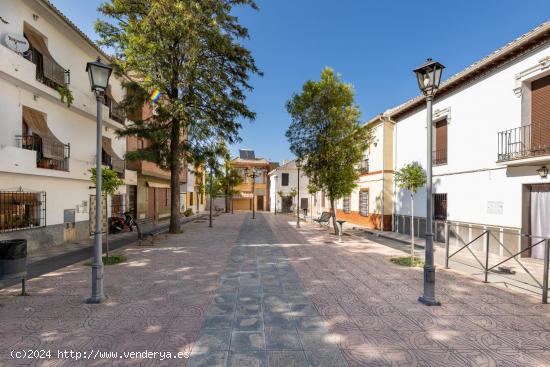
(529,141)
(116,164)
(50,154)
(439,157)
(116,113)
(48,71)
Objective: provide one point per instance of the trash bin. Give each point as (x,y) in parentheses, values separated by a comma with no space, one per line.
(13,260)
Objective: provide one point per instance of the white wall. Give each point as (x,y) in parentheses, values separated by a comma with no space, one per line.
(275,185)
(472,178)
(75,125)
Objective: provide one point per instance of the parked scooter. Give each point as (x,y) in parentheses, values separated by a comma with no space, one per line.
(119,224)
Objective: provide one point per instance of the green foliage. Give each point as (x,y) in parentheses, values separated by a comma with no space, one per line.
(192,52)
(325,133)
(293,192)
(188,212)
(411,177)
(281,193)
(408,261)
(312,189)
(110,182)
(65,94)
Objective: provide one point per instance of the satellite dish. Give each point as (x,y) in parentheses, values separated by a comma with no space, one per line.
(16,42)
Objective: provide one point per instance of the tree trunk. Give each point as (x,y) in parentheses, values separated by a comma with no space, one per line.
(175,167)
(333,214)
(412,229)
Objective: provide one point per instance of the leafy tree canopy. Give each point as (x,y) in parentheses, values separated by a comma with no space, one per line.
(411,177)
(325,133)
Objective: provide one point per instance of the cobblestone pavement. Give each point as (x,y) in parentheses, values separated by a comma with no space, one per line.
(259,293)
(156,301)
(370,307)
(261,314)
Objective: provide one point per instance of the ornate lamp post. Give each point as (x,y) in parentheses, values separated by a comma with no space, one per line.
(298,166)
(99,74)
(428,76)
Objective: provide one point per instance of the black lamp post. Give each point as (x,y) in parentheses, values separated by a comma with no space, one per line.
(428,77)
(298,166)
(99,74)
(275,177)
(253,174)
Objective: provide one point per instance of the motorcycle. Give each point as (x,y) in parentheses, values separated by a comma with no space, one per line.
(119,224)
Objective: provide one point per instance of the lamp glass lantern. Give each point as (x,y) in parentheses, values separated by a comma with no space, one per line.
(428,76)
(98,74)
(543,172)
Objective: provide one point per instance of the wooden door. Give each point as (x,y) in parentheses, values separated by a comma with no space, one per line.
(260,202)
(150,202)
(540,116)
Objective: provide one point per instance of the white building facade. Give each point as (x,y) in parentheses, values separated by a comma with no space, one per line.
(47,148)
(491,139)
(284,180)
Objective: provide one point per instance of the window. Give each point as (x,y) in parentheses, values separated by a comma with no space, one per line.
(364,166)
(364,203)
(284,179)
(440,152)
(440,206)
(22,210)
(259,178)
(190,199)
(346,205)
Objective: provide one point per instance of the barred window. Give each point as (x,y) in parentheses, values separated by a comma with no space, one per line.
(440,206)
(22,210)
(364,203)
(346,204)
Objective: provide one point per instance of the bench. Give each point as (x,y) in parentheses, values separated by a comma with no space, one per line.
(323,219)
(146,229)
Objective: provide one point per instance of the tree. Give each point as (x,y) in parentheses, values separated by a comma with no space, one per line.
(326,135)
(110,182)
(189,51)
(411,177)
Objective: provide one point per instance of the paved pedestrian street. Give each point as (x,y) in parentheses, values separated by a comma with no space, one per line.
(258,292)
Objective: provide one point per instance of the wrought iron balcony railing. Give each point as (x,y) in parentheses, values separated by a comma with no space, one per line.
(439,156)
(50,153)
(524,142)
(48,71)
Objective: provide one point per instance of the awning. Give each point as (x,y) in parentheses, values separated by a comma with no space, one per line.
(158,185)
(116,161)
(51,146)
(52,70)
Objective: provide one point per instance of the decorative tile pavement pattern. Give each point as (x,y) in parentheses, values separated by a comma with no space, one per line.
(370,307)
(156,302)
(260,315)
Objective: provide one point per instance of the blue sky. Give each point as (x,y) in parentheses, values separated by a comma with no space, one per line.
(373,44)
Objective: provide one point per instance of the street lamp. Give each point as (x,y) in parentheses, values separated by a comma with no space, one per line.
(99,74)
(275,177)
(253,174)
(298,166)
(428,77)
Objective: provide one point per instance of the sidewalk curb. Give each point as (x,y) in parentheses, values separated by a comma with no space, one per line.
(388,237)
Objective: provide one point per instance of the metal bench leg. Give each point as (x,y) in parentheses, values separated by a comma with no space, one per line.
(24,287)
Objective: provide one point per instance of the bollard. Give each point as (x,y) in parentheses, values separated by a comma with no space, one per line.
(447,245)
(545,272)
(486,258)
